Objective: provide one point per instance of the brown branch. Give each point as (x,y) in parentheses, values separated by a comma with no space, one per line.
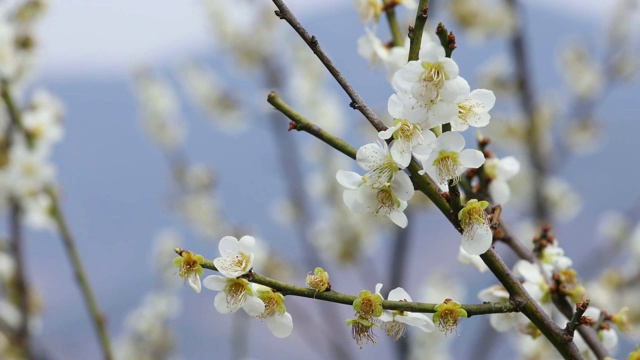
(357,103)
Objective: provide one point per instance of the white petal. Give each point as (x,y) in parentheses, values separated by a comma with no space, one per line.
(399,218)
(194,282)
(419,320)
(507,167)
(387,134)
(220,303)
(398,294)
(371,155)
(246,244)
(280,325)
(530,272)
(484,96)
(350,198)
(348,179)
(463,88)
(402,187)
(480,242)
(228,246)
(451,141)
(471,158)
(215,282)
(253,306)
(386,316)
(499,191)
(378,288)
(501,322)
(401,153)
(395,106)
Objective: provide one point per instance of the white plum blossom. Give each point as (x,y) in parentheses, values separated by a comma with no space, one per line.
(408,137)
(500,171)
(448,160)
(477,236)
(368,9)
(279,321)
(534,281)
(395,321)
(384,190)
(237,256)
(473,106)
(372,49)
(552,258)
(233,295)
(428,79)
(389,200)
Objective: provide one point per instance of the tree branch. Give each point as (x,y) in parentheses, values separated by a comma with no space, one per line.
(357,103)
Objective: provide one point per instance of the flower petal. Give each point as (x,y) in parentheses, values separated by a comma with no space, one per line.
(399,294)
(253,306)
(399,218)
(220,303)
(402,187)
(348,179)
(450,141)
(371,156)
(471,158)
(194,282)
(228,246)
(479,242)
(280,325)
(215,282)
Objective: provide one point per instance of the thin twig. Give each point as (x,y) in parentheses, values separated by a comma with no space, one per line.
(341,298)
(357,103)
(90,300)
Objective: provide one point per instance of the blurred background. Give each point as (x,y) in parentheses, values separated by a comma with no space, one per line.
(132,191)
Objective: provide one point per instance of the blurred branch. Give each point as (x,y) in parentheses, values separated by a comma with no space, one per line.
(535,128)
(76,263)
(22,333)
(389,7)
(357,103)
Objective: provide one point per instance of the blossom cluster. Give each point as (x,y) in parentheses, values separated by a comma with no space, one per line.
(235,291)
(431,107)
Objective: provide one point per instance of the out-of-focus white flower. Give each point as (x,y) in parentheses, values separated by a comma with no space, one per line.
(37,211)
(368,9)
(160,111)
(233,295)
(583,136)
(448,160)
(43,118)
(28,171)
(8,57)
(477,236)
(475,260)
(552,258)
(212,96)
(583,75)
(395,321)
(500,171)
(237,256)
(483,19)
(372,49)
(534,282)
(7,266)
(565,203)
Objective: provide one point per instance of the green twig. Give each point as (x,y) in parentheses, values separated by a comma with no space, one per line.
(416,31)
(300,123)
(390,11)
(76,262)
(340,298)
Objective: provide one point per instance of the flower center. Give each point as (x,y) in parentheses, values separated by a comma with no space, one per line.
(394,329)
(433,75)
(368,307)
(386,202)
(407,130)
(189,264)
(236,294)
(236,263)
(448,166)
(382,175)
(270,305)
